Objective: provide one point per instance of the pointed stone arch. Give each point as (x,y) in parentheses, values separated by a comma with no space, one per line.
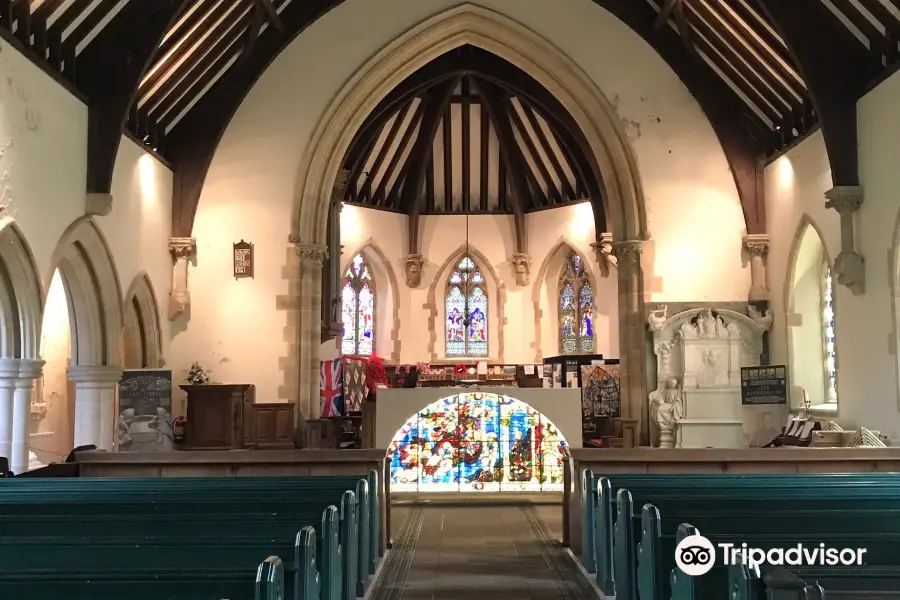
(562,245)
(894,286)
(141,331)
(94,294)
(806,223)
(375,256)
(21,295)
(469,24)
(440,279)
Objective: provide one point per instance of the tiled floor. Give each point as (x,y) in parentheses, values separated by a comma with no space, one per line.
(479,552)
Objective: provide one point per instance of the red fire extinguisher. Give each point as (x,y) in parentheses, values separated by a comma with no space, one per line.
(178,429)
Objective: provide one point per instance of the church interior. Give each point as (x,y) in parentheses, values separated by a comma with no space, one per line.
(479,282)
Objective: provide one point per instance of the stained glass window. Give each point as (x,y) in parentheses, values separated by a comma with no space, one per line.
(828,331)
(466,297)
(477,441)
(358,309)
(576,314)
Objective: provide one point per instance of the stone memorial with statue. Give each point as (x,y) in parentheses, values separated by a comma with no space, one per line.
(699,354)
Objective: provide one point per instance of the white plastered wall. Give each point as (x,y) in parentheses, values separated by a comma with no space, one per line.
(693,210)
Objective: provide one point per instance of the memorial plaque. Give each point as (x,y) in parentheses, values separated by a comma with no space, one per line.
(764,385)
(243,259)
(145,411)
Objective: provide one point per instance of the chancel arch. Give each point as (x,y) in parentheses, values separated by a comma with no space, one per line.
(437,303)
(810,318)
(387,300)
(141,336)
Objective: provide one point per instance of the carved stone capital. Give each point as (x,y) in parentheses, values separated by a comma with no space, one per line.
(522,268)
(311,255)
(182,247)
(414,264)
(98,204)
(603,252)
(850,271)
(757,244)
(846,199)
(628,253)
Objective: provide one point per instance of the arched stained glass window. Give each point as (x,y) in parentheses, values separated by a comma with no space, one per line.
(576,315)
(830,352)
(466,291)
(358,309)
(477,441)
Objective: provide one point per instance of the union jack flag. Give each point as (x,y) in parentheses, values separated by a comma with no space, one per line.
(331,388)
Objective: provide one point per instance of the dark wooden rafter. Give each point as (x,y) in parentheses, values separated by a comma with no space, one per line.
(192,144)
(836,68)
(418,169)
(21,12)
(39,18)
(516,169)
(393,132)
(62,58)
(264,12)
(382,191)
(466,116)
(727,113)
(553,194)
(674,9)
(567,192)
(125,47)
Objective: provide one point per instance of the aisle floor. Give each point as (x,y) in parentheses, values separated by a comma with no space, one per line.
(479,552)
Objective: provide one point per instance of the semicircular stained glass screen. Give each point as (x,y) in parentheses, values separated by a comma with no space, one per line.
(477,441)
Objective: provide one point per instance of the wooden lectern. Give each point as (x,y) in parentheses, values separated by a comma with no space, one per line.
(215,416)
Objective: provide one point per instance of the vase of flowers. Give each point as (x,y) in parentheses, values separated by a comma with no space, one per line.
(197,375)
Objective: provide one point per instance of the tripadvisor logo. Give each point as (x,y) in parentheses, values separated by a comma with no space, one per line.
(695,555)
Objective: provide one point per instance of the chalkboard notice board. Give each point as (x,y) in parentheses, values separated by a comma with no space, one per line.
(145,411)
(764,385)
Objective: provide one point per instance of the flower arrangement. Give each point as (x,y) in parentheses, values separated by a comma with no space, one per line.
(197,375)
(375,372)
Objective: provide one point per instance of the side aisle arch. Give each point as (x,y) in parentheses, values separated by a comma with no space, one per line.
(141,333)
(21,295)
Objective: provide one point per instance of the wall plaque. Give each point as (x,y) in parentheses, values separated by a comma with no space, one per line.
(764,385)
(243,259)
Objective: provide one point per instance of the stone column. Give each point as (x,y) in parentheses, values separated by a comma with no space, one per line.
(849,266)
(9,372)
(757,246)
(95,404)
(182,250)
(312,257)
(632,342)
(29,370)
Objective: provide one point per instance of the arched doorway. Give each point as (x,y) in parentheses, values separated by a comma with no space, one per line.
(141,337)
(477,441)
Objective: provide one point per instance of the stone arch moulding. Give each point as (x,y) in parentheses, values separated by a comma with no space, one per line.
(370,249)
(500,35)
(439,280)
(894,286)
(142,296)
(805,222)
(94,294)
(562,245)
(21,308)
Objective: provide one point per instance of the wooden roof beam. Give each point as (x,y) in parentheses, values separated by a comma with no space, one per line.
(836,68)
(111,67)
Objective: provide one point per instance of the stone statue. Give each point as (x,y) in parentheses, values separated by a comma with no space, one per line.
(666,409)
(414,264)
(521,266)
(657,318)
(763,320)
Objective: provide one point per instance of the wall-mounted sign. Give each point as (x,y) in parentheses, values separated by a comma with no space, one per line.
(243,260)
(764,385)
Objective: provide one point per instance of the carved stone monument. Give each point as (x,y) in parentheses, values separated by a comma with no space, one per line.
(703,350)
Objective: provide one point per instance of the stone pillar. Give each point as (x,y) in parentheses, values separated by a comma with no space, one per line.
(309,319)
(95,404)
(632,334)
(757,246)
(182,250)
(603,252)
(9,372)
(849,266)
(29,370)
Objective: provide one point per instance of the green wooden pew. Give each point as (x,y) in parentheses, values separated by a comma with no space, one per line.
(733,517)
(764,491)
(153,511)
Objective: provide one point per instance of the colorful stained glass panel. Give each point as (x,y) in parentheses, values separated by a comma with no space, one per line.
(477,442)
(348,319)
